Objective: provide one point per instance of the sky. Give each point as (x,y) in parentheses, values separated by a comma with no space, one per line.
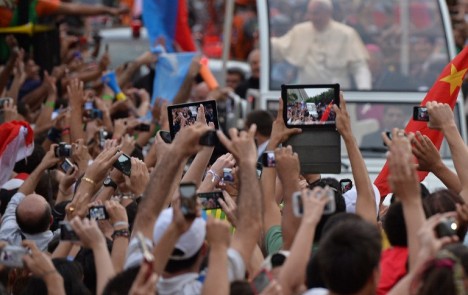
(311,92)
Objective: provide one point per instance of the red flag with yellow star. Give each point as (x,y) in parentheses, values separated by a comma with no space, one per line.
(444,90)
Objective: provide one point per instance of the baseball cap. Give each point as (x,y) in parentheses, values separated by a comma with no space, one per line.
(351,196)
(189,243)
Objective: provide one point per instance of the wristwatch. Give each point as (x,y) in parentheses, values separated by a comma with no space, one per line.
(108,182)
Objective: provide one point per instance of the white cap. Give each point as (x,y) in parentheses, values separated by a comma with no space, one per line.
(351,196)
(189,243)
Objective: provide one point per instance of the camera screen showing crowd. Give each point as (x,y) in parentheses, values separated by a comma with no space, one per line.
(184,115)
(310,105)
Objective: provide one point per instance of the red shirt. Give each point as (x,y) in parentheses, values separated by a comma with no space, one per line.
(392,268)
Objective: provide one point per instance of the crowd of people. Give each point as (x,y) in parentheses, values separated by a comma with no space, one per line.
(92,203)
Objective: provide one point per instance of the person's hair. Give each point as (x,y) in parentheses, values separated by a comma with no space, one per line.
(241,288)
(29,164)
(445,273)
(349,254)
(263,120)
(424,193)
(122,282)
(85,258)
(340,203)
(175,266)
(313,277)
(32,226)
(71,273)
(236,71)
(443,201)
(394,225)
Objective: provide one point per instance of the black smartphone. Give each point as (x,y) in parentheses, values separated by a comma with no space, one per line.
(166,136)
(98,213)
(66,165)
(261,281)
(67,233)
(420,114)
(124,164)
(210,138)
(63,150)
(95,114)
(447,227)
(188,199)
(268,159)
(143,127)
(209,201)
(12,256)
(346,184)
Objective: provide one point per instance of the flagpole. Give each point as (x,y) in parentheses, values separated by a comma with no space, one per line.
(228,16)
(404,20)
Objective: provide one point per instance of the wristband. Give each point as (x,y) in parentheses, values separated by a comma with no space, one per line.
(50,104)
(214,175)
(107,97)
(121,223)
(125,233)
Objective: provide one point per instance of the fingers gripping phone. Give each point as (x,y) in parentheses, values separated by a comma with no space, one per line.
(209,201)
(67,233)
(124,164)
(188,199)
(12,256)
(298,206)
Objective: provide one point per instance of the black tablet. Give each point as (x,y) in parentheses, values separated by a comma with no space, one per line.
(310,106)
(182,115)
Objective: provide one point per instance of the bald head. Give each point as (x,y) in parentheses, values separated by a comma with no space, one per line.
(254,62)
(200,92)
(320,13)
(33,214)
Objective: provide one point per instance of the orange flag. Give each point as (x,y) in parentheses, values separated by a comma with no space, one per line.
(444,90)
(326,113)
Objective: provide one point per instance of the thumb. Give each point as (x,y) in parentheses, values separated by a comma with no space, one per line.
(294,131)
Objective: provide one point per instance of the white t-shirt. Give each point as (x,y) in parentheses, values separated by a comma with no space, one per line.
(188,283)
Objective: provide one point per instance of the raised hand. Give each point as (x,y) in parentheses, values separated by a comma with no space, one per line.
(280,133)
(343,122)
(217,232)
(75,90)
(314,201)
(187,140)
(287,164)
(50,160)
(241,145)
(138,178)
(229,207)
(143,284)
(425,151)
(39,263)
(88,231)
(403,178)
(117,213)
(97,171)
(440,115)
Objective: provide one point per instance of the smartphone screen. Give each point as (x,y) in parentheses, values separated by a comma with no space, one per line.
(420,114)
(66,166)
(98,213)
(89,105)
(209,201)
(124,164)
(268,159)
(143,127)
(346,185)
(227,175)
(261,281)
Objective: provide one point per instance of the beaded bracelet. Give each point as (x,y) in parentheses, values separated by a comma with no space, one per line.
(125,233)
(214,175)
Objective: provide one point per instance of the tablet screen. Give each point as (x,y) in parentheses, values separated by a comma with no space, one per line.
(183,115)
(310,105)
